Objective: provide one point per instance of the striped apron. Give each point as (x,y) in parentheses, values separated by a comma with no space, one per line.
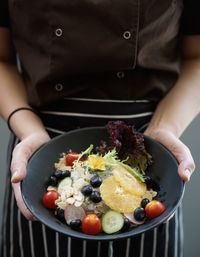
(22,238)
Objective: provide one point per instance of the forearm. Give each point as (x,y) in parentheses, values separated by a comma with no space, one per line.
(13,95)
(182,103)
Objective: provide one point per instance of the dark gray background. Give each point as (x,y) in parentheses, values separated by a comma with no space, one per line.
(191,202)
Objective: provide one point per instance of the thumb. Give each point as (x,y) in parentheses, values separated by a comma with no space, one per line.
(20,157)
(18,175)
(186,168)
(185,160)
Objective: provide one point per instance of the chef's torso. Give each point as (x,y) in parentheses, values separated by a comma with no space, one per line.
(97,48)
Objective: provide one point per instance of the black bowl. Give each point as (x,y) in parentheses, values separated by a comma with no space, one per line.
(41,165)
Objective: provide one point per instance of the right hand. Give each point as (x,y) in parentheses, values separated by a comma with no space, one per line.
(21,154)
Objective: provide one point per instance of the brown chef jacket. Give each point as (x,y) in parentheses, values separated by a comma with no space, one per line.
(114,49)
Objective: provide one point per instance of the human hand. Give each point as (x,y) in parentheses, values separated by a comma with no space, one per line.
(21,154)
(177,148)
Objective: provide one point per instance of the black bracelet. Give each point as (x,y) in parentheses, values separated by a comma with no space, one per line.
(16,110)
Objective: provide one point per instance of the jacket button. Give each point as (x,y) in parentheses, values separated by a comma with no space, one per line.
(59,87)
(58,32)
(120,74)
(127,35)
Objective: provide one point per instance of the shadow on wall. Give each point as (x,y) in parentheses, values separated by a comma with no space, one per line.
(191,210)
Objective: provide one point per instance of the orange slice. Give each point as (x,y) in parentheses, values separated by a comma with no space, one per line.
(128,182)
(117,198)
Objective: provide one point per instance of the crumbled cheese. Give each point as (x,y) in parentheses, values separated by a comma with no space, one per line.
(77,203)
(70,200)
(79,183)
(79,197)
(60,165)
(61,204)
(51,188)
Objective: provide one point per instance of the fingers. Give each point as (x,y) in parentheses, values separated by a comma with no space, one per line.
(21,154)
(20,157)
(20,203)
(23,151)
(184,157)
(186,165)
(178,149)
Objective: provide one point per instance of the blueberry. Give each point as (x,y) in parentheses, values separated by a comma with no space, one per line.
(75,224)
(58,174)
(144,202)
(87,190)
(139,214)
(95,181)
(95,197)
(60,214)
(126,225)
(66,173)
(52,181)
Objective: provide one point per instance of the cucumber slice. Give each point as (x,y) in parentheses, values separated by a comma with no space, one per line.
(66,182)
(112,222)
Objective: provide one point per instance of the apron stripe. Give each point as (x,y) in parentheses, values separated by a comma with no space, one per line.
(128,241)
(181,239)
(105,100)
(45,241)
(166,238)
(20,233)
(84,248)
(31,239)
(100,116)
(55,130)
(11,224)
(69,247)
(99,249)
(142,245)
(57,245)
(176,235)
(110,249)
(154,242)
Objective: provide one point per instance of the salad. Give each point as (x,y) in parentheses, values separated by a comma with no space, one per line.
(104,189)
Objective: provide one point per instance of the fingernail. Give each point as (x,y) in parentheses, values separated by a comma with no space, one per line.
(187,174)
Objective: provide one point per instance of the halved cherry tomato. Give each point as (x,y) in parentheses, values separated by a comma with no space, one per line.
(91,224)
(154,208)
(49,199)
(70,158)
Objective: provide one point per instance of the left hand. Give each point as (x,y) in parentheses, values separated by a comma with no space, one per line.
(177,148)
(21,154)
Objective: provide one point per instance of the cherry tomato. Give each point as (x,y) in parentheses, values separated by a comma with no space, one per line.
(91,224)
(154,208)
(70,158)
(49,199)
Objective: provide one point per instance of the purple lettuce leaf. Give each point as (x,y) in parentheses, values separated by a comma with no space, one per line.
(128,143)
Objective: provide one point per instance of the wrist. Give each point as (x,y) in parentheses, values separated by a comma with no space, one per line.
(168,117)
(154,128)
(25,108)
(26,122)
